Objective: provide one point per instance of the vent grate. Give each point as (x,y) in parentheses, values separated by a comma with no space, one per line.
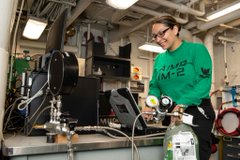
(131,17)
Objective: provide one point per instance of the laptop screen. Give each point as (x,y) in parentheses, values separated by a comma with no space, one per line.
(126,108)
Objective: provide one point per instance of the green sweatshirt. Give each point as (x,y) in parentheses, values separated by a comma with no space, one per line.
(184,74)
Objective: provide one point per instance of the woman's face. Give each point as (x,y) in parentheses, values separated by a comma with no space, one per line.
(164,36)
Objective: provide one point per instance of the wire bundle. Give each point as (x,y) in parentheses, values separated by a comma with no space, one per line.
(22,106)
(220,127)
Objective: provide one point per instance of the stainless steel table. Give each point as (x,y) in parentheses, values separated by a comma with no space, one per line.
(88,147)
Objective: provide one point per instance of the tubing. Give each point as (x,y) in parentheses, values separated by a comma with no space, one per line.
(219,125)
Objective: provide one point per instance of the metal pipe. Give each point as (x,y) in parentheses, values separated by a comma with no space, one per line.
(226,80)
(224,19)
(227,39)
(181,8)
(229,27)
(156,14)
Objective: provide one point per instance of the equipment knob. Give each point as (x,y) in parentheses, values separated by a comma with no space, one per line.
(165,103)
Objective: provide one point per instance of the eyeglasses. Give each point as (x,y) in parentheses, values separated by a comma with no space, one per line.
(160,34)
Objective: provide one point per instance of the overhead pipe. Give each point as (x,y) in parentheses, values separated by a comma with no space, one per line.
(195,23)
(232,24)
(224,19)
(156,14)
(227,39)
(229,27)
(181,8)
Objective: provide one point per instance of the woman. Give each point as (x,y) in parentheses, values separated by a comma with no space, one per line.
(184,73)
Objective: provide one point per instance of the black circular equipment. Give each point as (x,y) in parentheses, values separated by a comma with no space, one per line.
(62,72)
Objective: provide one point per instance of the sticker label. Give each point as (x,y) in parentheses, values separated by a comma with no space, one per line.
(184,146)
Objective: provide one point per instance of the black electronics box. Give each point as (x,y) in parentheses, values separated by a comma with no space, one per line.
(125,51)
(95,49)
(82,104)
(231,148)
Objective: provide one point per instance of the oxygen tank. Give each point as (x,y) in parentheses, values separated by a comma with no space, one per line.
(180,143)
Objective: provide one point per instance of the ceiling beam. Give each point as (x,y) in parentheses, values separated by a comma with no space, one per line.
(77,11)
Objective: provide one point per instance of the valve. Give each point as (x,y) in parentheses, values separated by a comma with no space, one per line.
(165,103)
(160,106)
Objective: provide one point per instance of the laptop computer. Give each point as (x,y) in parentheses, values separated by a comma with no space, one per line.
(126,110)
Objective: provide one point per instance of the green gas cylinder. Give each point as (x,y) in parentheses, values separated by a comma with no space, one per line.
(180,143)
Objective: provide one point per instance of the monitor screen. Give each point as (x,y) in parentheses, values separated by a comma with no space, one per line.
(56,34)
(126,108)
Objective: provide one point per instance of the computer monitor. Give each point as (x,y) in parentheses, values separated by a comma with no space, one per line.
(126,108)
(56,34)
(55,39)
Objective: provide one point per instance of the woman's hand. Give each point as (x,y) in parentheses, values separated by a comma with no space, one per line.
(146,116)
(175,119)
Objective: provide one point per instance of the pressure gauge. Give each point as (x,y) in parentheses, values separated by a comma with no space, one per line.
(152,101)
(165,103)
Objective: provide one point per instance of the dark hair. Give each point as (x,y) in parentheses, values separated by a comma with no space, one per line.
(168,21)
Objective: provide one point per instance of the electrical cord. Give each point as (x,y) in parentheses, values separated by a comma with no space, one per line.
(29,100)
(220,114)
(11,107)
(26,102)
(38,108)
(103,129)
(12,122)
(118,126)
(133,130)
(219,124)
(14,103)
(113,136)
(29,132)
(34,114)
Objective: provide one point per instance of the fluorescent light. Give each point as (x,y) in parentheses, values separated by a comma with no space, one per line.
(151,47)
(121,4)
(34,28)
(225,10)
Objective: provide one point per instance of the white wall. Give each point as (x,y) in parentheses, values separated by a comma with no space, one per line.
(233,67)
(7,10)
(142,59)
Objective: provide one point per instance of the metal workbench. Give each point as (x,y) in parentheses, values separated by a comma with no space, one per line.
(88,147)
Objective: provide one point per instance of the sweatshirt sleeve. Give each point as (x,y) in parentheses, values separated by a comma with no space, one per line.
(153,84)
(203,69)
